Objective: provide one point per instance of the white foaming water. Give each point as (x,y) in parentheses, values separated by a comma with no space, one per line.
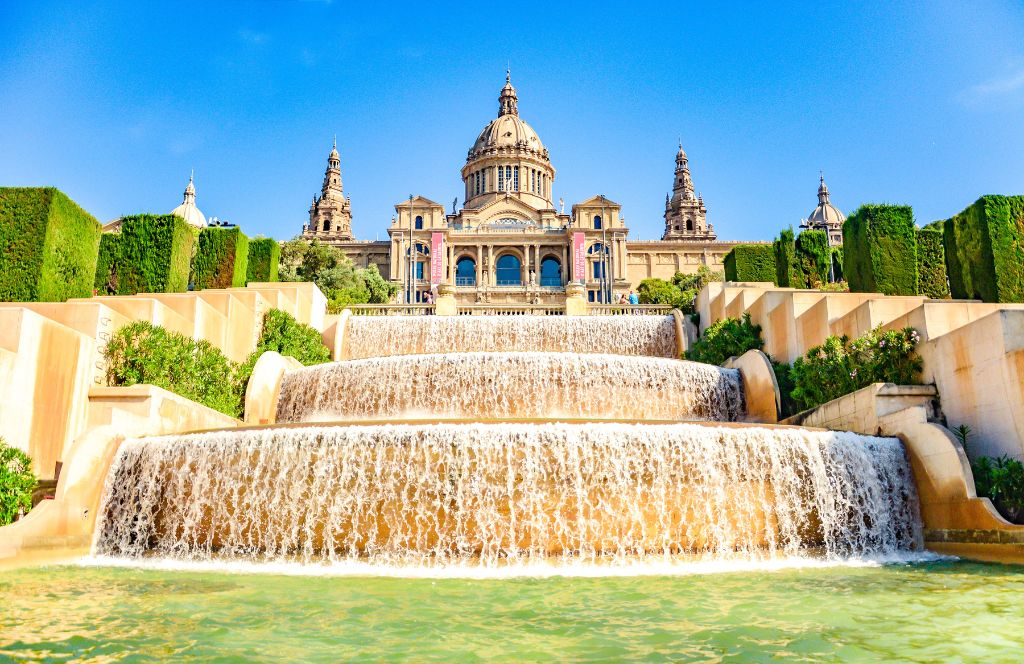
(378,336)
(512,385)
(516,496)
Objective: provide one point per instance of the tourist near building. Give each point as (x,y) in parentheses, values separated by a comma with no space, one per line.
(510,242)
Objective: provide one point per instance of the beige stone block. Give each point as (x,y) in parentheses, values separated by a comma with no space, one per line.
(135,308)
(760,387)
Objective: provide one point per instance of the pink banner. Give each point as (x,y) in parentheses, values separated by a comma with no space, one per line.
(436,258)
(579,258)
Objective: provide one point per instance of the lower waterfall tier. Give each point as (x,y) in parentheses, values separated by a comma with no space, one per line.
(511,385)
(377,336)
(494,494)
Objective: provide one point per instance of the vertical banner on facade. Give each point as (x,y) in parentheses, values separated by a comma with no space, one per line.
(436,258)
(579,258)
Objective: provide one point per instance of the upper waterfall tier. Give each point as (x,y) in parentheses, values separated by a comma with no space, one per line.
(511,385)
(376,336)
(485,494)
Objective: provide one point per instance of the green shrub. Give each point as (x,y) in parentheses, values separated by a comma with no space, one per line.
(931,264)
(727,338)
(812,258)
(837,264)
(1001,480)
(984,248)
(334,274)
(222,258)
(285,335)
(680,292)
(141,352)
(105,282)
(48,246)
(16,483)
(751,262)
(841,366)
(264,259)
(153,254)
(880,247)
(787,274)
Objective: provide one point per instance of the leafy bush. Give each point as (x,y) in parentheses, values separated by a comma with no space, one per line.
(841,365)
(48,246)
(152,255)
(880,250)
(141,352)
(16,483)
(334,274)
(264,259)
(222,258)
(285,335)
(931,264)
(680,292)
(787,275)
(726,338)
(984,248)
(1001,479)
(751,262)
(105,281)
(812,258)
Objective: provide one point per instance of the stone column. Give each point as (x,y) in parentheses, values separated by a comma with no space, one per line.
(479,264)
(525,279)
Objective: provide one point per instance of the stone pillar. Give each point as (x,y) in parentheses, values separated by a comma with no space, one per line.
(575,302)
(565,267)
(445,305)
(479,265)
(525,279)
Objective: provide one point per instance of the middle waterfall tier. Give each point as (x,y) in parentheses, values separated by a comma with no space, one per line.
(511,385)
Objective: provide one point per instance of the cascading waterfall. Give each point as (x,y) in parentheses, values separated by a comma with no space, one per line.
(494,494)
(511,385)
(376,336)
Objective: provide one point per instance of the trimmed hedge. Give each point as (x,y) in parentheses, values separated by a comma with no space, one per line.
(880,247)
(48,246)
(222,258)
(837,263)
(931,264)
(750,262)
(153,254)
(984,248)
(787,275)
(105,282)
(264,259)
(812,257)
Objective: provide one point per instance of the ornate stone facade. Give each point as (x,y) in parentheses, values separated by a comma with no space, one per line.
(826,217)
(509,243)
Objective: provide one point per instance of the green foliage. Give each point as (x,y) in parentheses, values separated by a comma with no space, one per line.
(680,292)
(812,258)
(105,282)
(16,483)
(835,287)
(962,433)
(222,258)
(787,274)
(784,377)
(285,335)
(727,338)
(153,255)
(1001,479)
(48,246)
(984,248)
(880,243)
(841,365)
(837,264)
(751,262)
(264,259)
(931,264)
(141,352)
(334,274)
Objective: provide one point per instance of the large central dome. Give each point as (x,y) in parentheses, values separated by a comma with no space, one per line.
(508,158)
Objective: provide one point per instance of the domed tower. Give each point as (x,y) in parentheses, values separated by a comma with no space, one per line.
(188,210)
(330,215)
(685,214)
(826,217)
(508,158)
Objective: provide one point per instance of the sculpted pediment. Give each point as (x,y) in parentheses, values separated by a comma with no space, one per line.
(506,213)
(597,201)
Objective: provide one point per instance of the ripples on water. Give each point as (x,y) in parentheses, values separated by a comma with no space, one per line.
(938,611)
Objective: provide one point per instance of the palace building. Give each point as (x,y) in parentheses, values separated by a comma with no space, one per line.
(510,243)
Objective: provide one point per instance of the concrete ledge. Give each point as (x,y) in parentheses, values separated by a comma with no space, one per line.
(860,411)
(760,387)
(264,387)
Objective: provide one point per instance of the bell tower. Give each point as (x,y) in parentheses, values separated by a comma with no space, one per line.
(685,214)
(330,215)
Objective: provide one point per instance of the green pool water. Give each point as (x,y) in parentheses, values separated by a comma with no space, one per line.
(924,612)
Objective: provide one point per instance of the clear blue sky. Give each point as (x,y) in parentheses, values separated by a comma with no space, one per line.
(912,103)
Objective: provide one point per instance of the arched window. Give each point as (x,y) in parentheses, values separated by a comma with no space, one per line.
(689,224)
(550,272)
(508,272)
(419,222)
(597,221)
(597,248)
(327,224)
(465,272)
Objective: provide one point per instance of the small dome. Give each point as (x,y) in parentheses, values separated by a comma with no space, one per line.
(188,210)
(825,213)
